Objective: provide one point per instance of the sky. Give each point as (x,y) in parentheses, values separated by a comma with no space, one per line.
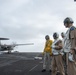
(28,21)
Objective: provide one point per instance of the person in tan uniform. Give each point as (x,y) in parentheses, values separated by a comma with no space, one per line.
(57,64)
(47,53)
(70,46)
(64,55)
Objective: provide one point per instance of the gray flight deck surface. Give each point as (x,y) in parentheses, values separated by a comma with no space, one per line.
(21,64)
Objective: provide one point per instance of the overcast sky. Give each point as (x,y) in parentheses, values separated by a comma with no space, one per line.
(28,21)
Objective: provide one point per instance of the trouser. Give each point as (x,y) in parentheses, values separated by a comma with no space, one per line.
(47,60)
(70,66)
(57,65)
(66,62)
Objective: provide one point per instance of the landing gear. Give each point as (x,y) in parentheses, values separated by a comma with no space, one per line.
(9,51)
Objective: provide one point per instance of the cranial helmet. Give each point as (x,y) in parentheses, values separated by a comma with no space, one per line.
(47,37)
(55,35)
(63,33)
(68,20)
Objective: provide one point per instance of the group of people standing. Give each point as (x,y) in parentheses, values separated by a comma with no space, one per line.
(61,54)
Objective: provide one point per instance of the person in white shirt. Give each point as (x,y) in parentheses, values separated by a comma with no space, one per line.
(57,64)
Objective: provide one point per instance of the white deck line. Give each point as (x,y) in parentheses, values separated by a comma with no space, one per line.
(33,68)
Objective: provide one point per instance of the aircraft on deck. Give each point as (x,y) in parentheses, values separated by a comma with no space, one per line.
(9,48)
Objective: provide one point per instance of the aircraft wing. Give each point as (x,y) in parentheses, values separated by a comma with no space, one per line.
(24,44)
(4,38)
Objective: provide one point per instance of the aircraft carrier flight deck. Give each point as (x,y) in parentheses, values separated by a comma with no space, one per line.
(21,64)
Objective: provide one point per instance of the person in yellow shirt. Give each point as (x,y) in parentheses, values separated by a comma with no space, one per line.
(47,53)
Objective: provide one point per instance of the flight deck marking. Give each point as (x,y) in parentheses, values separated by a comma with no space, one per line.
(41,62)
(33,68)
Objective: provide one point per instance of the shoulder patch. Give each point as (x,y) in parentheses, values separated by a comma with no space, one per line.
(72,28)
